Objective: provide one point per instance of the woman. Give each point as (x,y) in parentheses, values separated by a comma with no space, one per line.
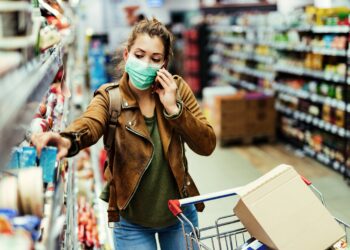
(149,166)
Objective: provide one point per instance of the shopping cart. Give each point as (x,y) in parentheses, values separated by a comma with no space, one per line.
(228,231)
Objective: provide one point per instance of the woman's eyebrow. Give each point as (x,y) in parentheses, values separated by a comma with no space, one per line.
(156,53)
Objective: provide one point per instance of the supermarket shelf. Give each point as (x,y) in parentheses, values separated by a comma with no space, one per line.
(323,158)
(291,47)
(21,92)
(305,48)
(300,93)
(245,56)
(236,40)
(232,8)
(285,46)
(329,51)
(252,72)
(331,29)
(241,83)
(105,234)
(301,116)
(227,28)
(300,71)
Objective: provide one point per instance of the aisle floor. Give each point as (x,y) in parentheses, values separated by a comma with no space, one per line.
(235,166)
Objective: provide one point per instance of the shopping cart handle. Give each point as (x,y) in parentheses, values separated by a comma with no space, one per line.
(307,182)
(174,207)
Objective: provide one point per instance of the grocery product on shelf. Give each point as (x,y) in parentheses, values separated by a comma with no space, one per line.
(42,213)
(305,54)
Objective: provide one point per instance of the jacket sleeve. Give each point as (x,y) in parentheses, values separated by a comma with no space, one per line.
(191,123)
(88,128)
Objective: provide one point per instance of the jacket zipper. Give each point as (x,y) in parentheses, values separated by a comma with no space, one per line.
(149,162)
(183,165)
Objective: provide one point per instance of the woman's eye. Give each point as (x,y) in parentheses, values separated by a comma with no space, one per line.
(156,60)
(138,56)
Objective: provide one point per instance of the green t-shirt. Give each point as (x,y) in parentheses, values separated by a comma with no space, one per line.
(149,205)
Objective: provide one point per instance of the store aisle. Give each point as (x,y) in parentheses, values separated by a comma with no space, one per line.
(235,166)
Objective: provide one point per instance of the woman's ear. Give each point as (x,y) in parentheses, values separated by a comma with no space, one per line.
(125,54)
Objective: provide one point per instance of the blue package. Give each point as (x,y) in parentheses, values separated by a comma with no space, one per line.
(48,163)
(30,223)
(8,213)
(253,244)
(14,160)
(27,157)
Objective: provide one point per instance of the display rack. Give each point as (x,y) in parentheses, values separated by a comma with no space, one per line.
(23,89)
(21,92)
(106,236)
(220,7)
(261,59)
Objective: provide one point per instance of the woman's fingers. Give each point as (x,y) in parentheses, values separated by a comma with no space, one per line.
(163,79)
(168,79)
(62,152)
(40,140)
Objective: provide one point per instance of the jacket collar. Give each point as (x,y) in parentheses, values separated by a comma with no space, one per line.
(129,101)
(128,98)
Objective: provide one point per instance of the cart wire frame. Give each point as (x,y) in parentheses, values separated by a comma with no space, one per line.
(228,231)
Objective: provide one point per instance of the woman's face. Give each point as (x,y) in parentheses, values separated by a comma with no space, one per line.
(148,49)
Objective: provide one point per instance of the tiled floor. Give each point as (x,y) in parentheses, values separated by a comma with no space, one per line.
(234,166)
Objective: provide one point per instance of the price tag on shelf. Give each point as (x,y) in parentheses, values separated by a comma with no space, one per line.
(336,165)
(334,103)
(327,76)
(322,124)
(309,151)
(341,105)
(328,126)
(321,99)
(341,132)
(313,97)
(315,121)
(328,101)
(309,118)
(342,168)
(337,78)
(334,129)
(347,134)
(303,116)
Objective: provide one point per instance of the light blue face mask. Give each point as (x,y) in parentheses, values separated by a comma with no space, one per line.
(141,74)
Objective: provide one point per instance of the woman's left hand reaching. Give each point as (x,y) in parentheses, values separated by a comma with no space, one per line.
(167,94)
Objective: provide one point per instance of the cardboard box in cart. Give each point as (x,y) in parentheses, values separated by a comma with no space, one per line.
(281,211)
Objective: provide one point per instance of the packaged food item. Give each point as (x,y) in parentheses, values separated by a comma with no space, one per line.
(252,244)
(48,163)
(27,157)
(14,160)
(30,223)
(341,245)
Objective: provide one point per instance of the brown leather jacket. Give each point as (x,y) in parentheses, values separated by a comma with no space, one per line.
(133,146)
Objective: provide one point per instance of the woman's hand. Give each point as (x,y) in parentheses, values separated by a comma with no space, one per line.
(41,140)
(167,94)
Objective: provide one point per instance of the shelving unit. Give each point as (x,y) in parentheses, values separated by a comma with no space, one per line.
(296,82)
(30,83)
(24,90)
